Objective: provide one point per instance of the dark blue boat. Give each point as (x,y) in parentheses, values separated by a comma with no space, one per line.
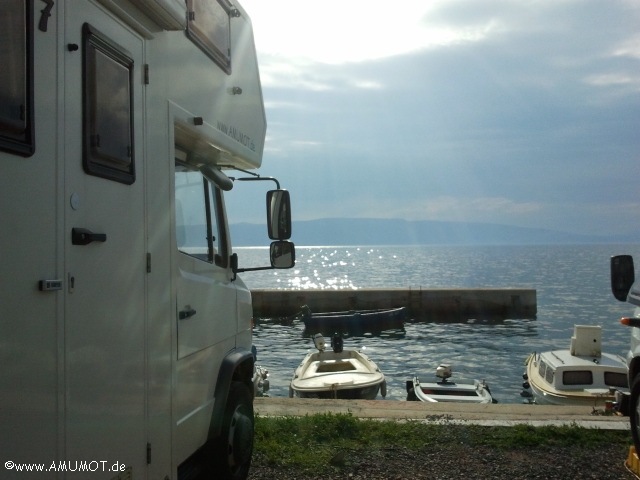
(353,320)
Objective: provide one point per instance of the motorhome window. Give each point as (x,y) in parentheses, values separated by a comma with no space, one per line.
(16,80)
(616,379)
(208,26)
(577,377)
(108,115)
(197,213)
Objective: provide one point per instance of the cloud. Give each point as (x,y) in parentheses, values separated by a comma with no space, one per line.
(338,32)
(609,79)
(517,112)
(483,209)
(628,47)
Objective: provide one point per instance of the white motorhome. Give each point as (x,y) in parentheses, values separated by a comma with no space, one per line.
(125,334)
(625,288)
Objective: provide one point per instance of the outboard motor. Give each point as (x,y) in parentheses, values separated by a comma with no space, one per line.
(337,343)
(318,341)
(443,371)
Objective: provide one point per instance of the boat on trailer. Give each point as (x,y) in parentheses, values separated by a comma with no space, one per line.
(339,373)
(446,390)
(580,375)
(354,320)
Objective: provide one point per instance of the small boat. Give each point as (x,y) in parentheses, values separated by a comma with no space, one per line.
(341,373)
(260,377)
(260,381)
(448,391)
(581,375)
(354,320)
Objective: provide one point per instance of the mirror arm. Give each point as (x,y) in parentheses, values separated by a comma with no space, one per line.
(254,176)
(236,270)
(248,179)
(252,269)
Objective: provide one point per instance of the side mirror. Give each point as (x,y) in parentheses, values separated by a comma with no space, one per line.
(622,276)
(278,215)
(282,254)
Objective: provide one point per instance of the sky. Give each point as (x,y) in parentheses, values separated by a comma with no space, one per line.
(523,113)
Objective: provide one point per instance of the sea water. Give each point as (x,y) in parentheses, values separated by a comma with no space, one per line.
(572,284)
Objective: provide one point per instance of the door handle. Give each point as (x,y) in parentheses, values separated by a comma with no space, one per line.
(184,314)
(82,236)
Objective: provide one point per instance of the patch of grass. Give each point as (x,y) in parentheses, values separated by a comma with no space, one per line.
(306,442)
(521,436)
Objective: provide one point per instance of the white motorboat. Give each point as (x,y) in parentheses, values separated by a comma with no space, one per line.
(260,381)
(341,373)
(581,375)
(260,377)
(448,391)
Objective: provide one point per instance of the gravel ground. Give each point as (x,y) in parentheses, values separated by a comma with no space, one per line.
(461,462)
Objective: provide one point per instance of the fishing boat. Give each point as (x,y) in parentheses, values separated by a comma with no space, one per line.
(580,375)
(446,390)
(354,320)
(339,373)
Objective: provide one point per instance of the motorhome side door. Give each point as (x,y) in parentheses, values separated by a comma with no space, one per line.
(104,235)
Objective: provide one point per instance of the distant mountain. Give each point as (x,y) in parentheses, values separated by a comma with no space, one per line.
(368,231)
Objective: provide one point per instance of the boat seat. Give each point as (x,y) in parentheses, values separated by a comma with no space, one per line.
(339,366)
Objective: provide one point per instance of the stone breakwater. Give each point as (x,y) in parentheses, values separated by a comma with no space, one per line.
(422,304)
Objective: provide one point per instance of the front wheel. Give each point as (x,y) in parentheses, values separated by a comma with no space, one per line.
(634,412)
(232,457)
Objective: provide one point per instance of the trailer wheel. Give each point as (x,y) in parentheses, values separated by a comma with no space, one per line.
(634,412)
(232,457)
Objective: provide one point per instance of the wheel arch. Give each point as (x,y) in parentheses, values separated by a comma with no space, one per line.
(237,366)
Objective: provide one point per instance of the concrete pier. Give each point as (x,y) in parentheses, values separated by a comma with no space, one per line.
(428,304)
(449,412)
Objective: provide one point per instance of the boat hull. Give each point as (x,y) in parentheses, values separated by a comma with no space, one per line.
(368,393)
(357,320)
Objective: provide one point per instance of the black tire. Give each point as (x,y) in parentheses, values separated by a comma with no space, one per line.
(232,454)
(634,412)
